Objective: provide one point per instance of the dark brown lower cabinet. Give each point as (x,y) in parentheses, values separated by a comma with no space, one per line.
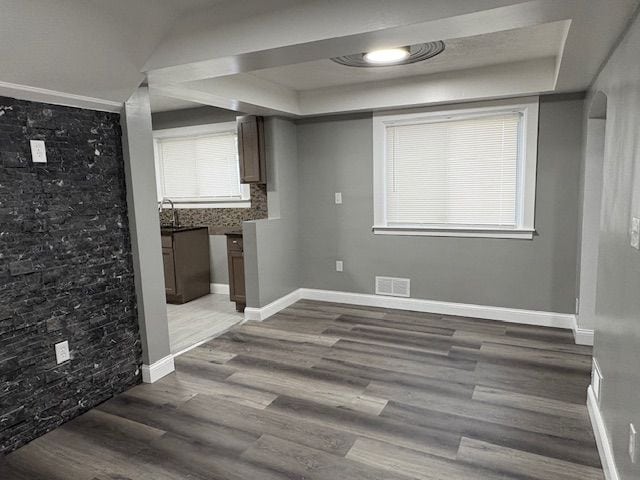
(169,271)
(185,254)
(235,255)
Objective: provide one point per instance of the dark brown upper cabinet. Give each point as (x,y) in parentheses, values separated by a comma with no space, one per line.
(253,168)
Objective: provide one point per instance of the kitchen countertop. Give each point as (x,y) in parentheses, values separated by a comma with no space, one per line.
(225,230)
(168,230)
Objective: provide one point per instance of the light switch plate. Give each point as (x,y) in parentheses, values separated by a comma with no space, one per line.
(338,198)
(339,266)
(62,352)
(632,442)
(38,151)
(635,233)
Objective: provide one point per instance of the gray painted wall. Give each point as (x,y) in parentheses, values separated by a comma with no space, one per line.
(335,155)
(617,340)
(271,246)
(591,198)
(189,117)
(218,259)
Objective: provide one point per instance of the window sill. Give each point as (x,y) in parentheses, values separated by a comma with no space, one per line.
(225,204)
(523,234)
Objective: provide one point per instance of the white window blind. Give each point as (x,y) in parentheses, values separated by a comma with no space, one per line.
(202,167)
(454,172)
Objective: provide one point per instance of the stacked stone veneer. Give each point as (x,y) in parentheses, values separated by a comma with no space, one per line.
(65,268)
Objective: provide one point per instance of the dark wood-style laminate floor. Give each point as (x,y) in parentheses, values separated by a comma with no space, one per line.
(327,392)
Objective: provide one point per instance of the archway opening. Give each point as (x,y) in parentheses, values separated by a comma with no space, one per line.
(591,209)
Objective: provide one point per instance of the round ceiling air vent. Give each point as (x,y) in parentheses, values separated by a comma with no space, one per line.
(392,56)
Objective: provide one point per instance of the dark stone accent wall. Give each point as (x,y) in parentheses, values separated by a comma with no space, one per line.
(220,220)
(65,268)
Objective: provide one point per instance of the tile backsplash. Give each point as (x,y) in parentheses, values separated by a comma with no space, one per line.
(220,220)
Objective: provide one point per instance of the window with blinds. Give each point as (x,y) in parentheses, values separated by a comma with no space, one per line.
(468,172)
(199,168)
(454,172)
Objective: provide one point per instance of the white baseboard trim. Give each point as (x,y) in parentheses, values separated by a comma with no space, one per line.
(260,314)
(44,95)
(222,288)
(602,438)
(584,336)
(511,315)
(154,372)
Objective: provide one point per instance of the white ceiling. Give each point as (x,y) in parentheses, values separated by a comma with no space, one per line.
(161,103)
(539,41)
(277,61)
(191,6)
(271,56)
(87,48)
(86,53)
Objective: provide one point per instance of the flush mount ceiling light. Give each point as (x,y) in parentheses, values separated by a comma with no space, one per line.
(392,56)
(387,55)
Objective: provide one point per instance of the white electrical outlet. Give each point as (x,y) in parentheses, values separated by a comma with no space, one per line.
(632,443)
(62,352)
(635,233)
(38,151)
(339,266)
(338,198)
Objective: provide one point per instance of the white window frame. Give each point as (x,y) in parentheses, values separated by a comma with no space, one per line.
(525,208)
(242,201)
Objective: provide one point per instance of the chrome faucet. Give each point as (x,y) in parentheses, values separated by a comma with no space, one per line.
(175,221)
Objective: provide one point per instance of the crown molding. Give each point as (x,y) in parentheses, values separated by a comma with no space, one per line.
(36,94)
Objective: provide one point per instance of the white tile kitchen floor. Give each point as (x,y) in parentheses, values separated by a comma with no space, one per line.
(200,319)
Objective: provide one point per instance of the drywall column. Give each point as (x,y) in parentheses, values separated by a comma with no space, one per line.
(251,273)
(271,253)
(592,198)
(144,224)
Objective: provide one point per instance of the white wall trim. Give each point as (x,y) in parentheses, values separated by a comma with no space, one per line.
(220,204)
(192,130)
(154,372)
(243,200)
(510,315)
(602,438)
(44,95)
(260,314)
(528,107)
(454,232)
(584,336)
(222,288)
